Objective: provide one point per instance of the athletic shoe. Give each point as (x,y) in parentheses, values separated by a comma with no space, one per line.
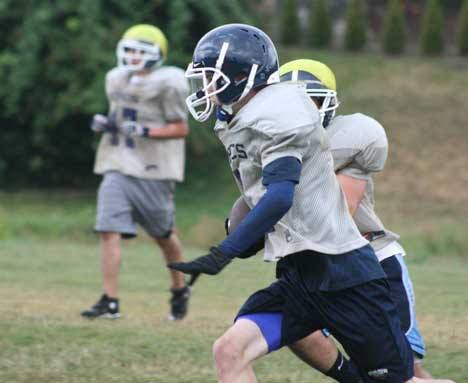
(179,303)
(105,307)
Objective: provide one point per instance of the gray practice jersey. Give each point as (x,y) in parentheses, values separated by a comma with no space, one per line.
(155,99)
(282,121)
(359,147)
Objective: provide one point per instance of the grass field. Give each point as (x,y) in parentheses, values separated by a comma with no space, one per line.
(49,266)
(44,285)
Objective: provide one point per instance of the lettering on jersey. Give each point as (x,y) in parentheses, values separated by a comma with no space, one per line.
(129,114)
(114,139)
(151,167)
(287,235)
(236,151)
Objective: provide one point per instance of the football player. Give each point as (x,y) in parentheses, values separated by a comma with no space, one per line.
(359,148)
(141,156)
(328,275)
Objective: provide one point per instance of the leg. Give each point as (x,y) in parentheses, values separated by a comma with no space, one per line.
(235,351)
(110,263)
(320,352)
(364,320)
(113,220)
(108,305)
(317,351)
(154,210)
(172,252)
(420,372)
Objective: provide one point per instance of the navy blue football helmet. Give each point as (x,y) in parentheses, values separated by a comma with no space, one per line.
(229,62)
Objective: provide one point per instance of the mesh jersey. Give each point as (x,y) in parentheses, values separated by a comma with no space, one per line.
(157,99)
(282,121)
(359,147)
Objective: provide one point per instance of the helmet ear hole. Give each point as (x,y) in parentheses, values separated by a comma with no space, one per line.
(240,78)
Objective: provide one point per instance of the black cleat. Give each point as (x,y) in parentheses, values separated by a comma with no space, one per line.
(105,307)
(179,303)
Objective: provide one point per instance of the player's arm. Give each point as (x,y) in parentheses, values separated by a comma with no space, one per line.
(353,189)
(175,129)
(174,110)
(280,178)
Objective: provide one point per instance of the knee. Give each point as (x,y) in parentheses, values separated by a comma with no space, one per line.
(109,237)
(227,353)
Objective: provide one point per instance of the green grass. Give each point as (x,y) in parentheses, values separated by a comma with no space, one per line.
(44,285)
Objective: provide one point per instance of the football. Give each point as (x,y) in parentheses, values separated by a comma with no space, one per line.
(238,211)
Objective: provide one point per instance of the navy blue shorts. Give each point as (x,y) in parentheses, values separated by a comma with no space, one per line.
(401,291)
(363,318)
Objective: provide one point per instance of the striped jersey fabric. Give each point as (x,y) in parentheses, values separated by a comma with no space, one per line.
(279,121)
(359,148)
(152,100)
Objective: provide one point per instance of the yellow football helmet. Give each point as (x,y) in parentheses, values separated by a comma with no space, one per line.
(142,46)
(320,84)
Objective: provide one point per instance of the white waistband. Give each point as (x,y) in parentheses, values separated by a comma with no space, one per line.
(391,249)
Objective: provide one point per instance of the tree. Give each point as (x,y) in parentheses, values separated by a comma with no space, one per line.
(394,31)
(356,25)
(53,59)
(463,30)
(320,27)
(432,39)
(290,30)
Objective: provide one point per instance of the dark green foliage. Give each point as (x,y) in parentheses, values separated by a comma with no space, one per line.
(53,59)
(432,35)
(320,32)
(451,4)
(356,25)
(290,29)
(463,30)
(394,34)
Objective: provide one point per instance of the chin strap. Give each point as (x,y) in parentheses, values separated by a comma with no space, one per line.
(224,113)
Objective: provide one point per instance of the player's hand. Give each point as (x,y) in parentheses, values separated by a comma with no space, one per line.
(210,264)
(133,129)
(100,123)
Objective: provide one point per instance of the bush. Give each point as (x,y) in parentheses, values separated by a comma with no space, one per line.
(432,39)
(356,25)
(394,34)
(463,30)
(320,28)
(290,30)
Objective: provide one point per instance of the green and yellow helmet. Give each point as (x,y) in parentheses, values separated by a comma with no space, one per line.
(142,46)
(320,84)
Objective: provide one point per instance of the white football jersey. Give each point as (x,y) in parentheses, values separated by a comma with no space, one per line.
(359,147)
(155,99)
(281,121)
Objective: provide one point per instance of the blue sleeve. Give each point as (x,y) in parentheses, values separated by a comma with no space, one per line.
(282,169)
(280,180)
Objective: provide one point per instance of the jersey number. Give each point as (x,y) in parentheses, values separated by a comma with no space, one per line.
(129,114)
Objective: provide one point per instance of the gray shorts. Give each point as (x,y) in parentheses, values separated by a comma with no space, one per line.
(124,201)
